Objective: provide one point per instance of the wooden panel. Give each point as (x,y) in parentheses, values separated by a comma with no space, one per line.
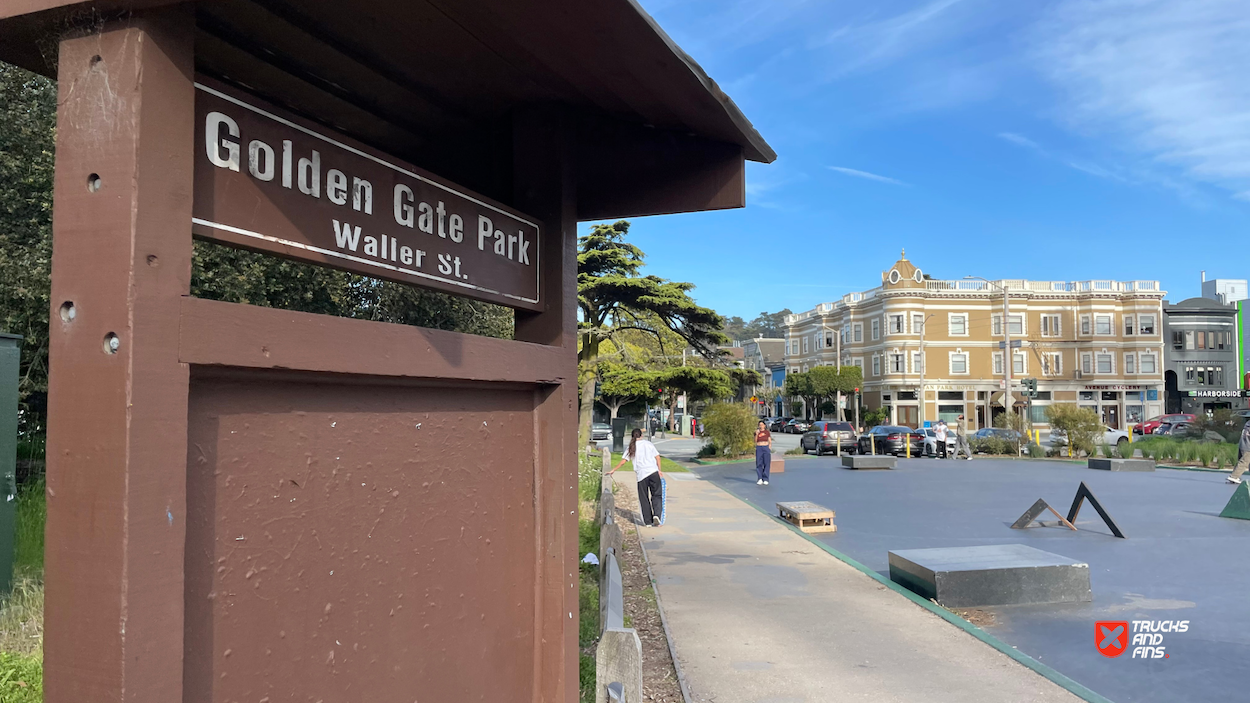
(353,543)
(214,333)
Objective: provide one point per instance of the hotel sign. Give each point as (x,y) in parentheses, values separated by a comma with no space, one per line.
(268,181)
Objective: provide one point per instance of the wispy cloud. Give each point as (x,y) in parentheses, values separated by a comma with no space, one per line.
(1164,79)
(865,174)
(1080,165)
(1020,140)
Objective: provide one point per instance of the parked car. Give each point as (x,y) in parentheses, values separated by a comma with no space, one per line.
(931,442)
(998,433)
(891,439)
(1059,438)
(824,436)
(778,423)
(600,431)
(1149,426)
(796,426)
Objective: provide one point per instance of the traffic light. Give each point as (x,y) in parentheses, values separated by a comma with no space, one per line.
(1030,387)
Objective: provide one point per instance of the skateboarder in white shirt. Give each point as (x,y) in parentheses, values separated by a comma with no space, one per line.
(650,479)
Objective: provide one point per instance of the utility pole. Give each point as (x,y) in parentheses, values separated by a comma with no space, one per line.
(838,366)
(1008,355)
(923,323)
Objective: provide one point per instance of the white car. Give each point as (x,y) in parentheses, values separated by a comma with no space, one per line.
(1059,438)
(931,445)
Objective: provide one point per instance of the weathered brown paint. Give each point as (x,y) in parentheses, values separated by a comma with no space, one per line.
(341,546)
(118,422)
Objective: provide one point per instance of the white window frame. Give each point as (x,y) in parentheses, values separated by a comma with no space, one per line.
(805,345)
(996,324)
(828,340)
(1141,324)
(1154,362)
(1110,319)
(1109,358)
(901,358)
(859,332)
(858,361)
(917,321)
(950,324)
(876,364)
(1087,326)
(1130,363)
(876,329)
(963,355)
(998,364)
(1024,364)
(1130,325)
(917,362)
(1087,363)
(902,323)
(1052,364)
(1051,324)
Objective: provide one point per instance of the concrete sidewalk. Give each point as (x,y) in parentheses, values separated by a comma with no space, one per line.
(757,613)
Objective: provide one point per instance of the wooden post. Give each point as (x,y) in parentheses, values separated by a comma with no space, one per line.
(117,450)
(543,188)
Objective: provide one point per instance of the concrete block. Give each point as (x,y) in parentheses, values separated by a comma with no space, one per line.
(867,461)
(778,464)
(612,595)
(618,659)
(1000,574)
(1122,464)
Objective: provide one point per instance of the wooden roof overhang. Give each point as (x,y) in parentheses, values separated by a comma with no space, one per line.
(439,83)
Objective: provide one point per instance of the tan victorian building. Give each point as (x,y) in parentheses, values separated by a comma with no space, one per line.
(1097,344)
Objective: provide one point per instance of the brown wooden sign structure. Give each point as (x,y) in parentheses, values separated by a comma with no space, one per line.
(267,180)
(249,503)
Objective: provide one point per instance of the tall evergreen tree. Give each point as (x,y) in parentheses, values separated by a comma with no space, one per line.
(614,296)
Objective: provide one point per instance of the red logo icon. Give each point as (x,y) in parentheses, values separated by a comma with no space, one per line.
(1111,637)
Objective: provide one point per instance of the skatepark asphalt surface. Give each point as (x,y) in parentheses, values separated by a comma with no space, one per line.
(1180,560)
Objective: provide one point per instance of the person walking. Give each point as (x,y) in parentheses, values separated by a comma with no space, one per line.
(961,439)
(763,453)
(647,473)
(1243,455)
(939,433)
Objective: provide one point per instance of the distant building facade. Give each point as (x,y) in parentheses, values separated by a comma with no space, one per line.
(766,356)
(1098,344)
(1203,357)
(1225,290)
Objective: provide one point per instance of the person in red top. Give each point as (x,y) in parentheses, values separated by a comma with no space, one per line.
(763,453)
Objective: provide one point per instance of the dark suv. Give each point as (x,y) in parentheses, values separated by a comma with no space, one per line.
(824,436)
(890,439)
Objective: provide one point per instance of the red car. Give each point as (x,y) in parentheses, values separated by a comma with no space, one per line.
(1148,427)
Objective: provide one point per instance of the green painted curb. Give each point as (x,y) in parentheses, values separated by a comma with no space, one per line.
(1050,674)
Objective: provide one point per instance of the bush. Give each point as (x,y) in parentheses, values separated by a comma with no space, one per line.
(730,427)
(992,445)
(1081,425)
(1035,451)
(708,450)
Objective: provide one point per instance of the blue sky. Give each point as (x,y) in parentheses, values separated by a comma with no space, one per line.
(1058,140)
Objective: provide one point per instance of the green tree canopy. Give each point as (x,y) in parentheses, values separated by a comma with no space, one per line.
(621,385)
(614,297)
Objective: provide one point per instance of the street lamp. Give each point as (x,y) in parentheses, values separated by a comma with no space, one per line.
(1008,356)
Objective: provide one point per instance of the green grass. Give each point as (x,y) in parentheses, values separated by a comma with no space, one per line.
(30,518)
(21,678)
(21,610)
(667,465)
